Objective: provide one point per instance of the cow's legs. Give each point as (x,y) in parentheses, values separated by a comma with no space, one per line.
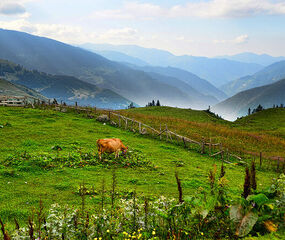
(100,153)
(117,154)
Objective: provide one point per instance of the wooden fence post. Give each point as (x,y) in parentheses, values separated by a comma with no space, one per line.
(140,127)
(278,162)
(260,159)
(210,147)
(166,130)
(95,110)
(184,142)
(160,132)
(126,124)
(203,146)
(119,120)
(109,115)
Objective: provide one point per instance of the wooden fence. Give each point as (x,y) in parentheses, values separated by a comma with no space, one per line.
(214,149)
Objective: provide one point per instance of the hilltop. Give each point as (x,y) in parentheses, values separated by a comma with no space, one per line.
(238,105)
(270,121)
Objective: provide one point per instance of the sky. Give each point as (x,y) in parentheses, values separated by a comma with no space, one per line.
(193,27)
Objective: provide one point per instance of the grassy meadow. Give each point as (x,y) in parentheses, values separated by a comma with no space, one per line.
(260,132)
(30,136)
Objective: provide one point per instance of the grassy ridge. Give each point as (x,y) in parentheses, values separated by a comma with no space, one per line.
(239,137)
(36,131)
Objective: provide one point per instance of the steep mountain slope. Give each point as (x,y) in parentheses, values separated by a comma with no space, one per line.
(199,84)
(10,89)
(65,88)
(239,104)
(267,75)
(216,71)
(61,59)
(247,57)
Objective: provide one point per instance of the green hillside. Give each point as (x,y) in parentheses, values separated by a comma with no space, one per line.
(178,113)
(35,132)
(10,89)
(238,105)
(271,121)
(199,125)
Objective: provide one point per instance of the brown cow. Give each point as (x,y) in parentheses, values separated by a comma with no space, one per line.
(110,145)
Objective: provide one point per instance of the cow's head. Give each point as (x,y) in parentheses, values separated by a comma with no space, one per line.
(124,150)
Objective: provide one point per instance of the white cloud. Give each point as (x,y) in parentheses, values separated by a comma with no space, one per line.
(209,9)
(238,40)
(241,39)
(71,33)
(10,8)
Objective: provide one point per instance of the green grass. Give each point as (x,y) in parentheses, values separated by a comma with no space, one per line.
(270,121)
(179,113)
(36,131)
(261,132)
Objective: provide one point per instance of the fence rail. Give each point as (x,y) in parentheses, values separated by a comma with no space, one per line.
(142,128)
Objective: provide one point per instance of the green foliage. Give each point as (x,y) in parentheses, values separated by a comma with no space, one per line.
(74,159)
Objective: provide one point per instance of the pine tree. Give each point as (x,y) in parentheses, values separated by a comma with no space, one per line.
(158,103)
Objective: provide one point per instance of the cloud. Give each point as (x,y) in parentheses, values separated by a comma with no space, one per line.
(11,8)
(202,9)
(119,33)
(238,40)
(241,39)
(71,33)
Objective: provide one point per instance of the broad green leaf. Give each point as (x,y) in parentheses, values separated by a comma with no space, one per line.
(246,224)
(236,213)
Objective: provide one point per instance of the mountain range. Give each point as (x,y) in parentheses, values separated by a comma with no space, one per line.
(238,105)
(63,88)
(216,70)
(57,58)
(181,78)
(267,75)
(247,57)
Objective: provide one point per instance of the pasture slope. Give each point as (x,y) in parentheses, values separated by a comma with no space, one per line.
(47,132)
(260,132)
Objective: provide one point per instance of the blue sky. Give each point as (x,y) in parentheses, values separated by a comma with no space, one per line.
(193,27)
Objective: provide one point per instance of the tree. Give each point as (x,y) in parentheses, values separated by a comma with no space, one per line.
(153,103)
(249,111)
(54,102)
(131,105)
(158,103)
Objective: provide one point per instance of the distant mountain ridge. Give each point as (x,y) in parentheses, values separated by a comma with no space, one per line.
(267,75)
(217,71)
(63,88)
(239,104)
(191,79)
(247,57)
(53,57)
